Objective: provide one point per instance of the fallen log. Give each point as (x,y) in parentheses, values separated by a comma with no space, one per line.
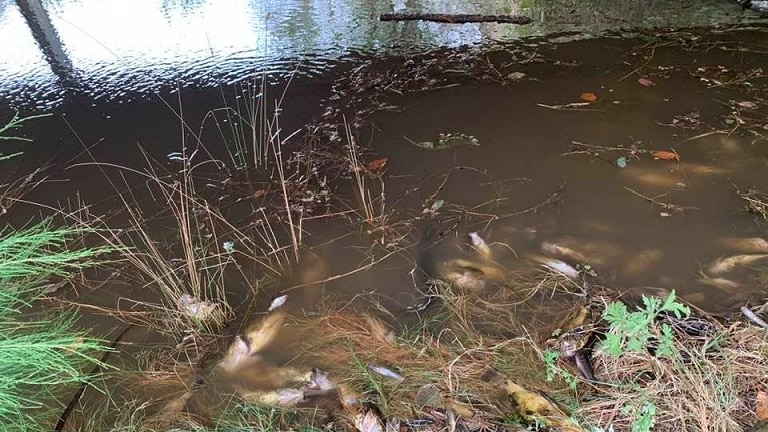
(455,18)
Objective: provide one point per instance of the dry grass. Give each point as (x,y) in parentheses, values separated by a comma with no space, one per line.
(755,202)
(710,386)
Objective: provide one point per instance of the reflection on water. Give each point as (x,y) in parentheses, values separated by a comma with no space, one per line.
(127,50)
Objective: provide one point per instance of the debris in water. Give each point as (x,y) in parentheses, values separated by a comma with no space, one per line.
(515,76)
(368,422)
(237,353)
(385,372)
(645,82)
(228,246)
(261,336)
(746,245)
(666,155)
(446,141)
(558,266)
(725,265)
(277,302)
(376,165)
(621,162)
(479,244)
(195,308)
(588,97)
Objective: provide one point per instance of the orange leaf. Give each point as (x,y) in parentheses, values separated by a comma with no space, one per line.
(376,165)
(666,155)
(588,97)
(761,405)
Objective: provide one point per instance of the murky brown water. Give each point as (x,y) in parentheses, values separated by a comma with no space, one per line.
(504,188)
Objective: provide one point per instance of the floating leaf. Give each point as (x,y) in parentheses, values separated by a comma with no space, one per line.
(376,165)
(588,97)
(666,155)
(645,82)
(516,76)
(761,405)
(621,162)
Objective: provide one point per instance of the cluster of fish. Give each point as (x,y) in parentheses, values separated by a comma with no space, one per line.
(288,387)
(748,251)
(471,273)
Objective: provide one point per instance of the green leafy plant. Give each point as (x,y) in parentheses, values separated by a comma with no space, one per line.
(554,371)
(632,331)
(645,418)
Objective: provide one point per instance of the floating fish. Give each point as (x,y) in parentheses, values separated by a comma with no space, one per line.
(380,331)
(725,265)
(196,308)
(261,336)
(746,245)
(388,373)
(721,283)
(558,266)
(237,353)
(644,260)
(279,398)
(277,302)
(320,380)
(479,244)
(349,398)
(560,251)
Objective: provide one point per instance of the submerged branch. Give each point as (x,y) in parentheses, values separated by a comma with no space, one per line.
(455,18)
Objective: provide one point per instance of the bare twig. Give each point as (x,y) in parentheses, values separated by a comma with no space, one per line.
(654,200)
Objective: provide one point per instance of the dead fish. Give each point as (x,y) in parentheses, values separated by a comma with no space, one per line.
(381,370)
(348,397)
(725,265)
(479,244)
(460,266)
(643,261)
(720,283)
(261,336)
(196,308)
(465,280)
(320,381)
(746,245)
(560,251)
(380,331)
(279,398)
(368,422)
(277,302)
(558,266)
(237,353)
(392,425)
